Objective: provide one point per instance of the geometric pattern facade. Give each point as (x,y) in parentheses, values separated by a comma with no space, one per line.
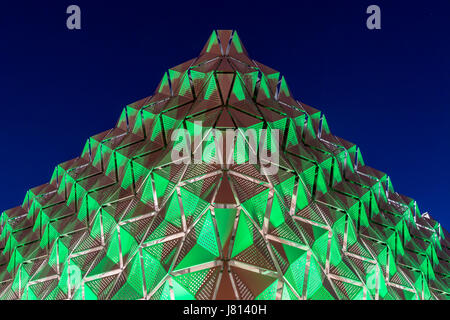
(123,221)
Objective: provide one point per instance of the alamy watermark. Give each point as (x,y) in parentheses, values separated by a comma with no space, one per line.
(227,146)
(374,20)
(73,22)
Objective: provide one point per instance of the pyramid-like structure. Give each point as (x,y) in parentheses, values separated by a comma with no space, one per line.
(127,221)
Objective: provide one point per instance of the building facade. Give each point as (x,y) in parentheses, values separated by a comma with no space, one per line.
(156,208)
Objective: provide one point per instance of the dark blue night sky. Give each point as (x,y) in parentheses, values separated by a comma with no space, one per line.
(388,90)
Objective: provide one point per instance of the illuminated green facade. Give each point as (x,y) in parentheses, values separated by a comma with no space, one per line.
(124,221)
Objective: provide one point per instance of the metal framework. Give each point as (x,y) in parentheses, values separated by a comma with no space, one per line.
(124,221)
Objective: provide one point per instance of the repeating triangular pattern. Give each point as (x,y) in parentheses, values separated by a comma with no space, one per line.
(123,221)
